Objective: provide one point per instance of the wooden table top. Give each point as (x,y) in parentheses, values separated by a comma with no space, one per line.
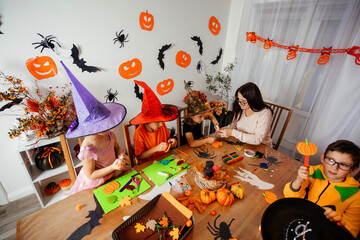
(61,219)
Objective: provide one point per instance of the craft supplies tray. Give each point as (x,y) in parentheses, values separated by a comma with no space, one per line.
(118,235)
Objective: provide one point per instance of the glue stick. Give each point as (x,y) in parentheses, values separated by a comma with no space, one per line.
(163,174)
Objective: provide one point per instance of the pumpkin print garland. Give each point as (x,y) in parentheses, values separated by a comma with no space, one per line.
(41,67)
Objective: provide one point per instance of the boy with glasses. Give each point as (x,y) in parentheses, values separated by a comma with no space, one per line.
(330,186)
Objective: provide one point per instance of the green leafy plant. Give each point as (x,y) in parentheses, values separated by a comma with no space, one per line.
(220,84)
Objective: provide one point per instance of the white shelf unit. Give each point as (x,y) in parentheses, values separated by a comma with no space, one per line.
(28,150)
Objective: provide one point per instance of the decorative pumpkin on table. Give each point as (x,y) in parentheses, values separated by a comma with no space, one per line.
(238,190)
(49,158)
(225,197)
(207,196)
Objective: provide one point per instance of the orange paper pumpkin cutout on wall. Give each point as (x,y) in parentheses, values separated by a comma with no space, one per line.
(183,59)
(165,87)
(41,67)
(146,21)
(323,59)
(130,69)
(214,26)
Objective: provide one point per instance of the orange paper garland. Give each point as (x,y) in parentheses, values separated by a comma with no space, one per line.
(325,52)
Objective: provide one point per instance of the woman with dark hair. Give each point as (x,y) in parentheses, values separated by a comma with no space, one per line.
(252,117)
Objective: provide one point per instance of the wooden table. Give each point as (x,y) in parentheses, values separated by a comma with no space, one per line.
(61,219)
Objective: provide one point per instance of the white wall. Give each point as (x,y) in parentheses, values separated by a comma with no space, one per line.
(91,25)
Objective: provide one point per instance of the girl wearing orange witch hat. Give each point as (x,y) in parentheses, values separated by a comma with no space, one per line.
(152,137)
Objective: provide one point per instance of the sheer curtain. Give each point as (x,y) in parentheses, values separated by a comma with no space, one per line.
(325,97)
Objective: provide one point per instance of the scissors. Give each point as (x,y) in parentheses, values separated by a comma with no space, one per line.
(137,181)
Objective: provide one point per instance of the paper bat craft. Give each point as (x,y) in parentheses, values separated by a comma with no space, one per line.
(81,62)
(1,32)
(46,42)
(217,58)
(199,43)
(86,228)
(161,55)
(138,94)
(16,101)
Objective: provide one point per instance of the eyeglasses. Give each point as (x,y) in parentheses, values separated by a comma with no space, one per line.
(332,162)
(242,103)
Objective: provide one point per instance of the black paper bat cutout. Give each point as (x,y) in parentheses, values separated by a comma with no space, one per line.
(16,101)
(81,62)
(1,32)
(86,228)
(199,43)
(217,58)
(138,94)
(161,55)
(46,42)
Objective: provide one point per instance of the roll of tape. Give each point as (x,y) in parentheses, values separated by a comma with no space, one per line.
(249,153)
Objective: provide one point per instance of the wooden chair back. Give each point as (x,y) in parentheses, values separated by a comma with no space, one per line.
(128,144)
(278,117)
(182,113)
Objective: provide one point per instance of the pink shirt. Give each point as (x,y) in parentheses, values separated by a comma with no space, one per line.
(254,129)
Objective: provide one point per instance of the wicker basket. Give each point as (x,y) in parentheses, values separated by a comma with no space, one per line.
(203,183)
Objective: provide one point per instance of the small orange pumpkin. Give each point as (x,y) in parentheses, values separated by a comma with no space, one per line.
(165,86)
(183,59)
(146,21)
(214,26)
(188,223)
(323,59)
(187,193)
(130,69)
(207,196)
(307,149)
(224,197)
(41,67)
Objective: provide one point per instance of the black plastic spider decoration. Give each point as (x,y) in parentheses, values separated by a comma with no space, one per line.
(272,160)
(111,96)
(222,231)
(201,153)
(46,42)
(199,66)
(121,38)
(234,143)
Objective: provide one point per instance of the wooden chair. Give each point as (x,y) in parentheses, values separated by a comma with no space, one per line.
(129,148)
(278,117)
(182,113)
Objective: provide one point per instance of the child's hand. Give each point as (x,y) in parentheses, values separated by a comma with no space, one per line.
(333,216)
(161,147)
(225,132)
(172,141)
(303,173)
(210,139)
(124,159)
(118,164)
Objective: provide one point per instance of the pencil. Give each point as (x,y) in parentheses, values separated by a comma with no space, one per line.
(185,154)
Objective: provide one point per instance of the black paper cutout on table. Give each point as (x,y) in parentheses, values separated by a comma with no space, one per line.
(121,38)
(46,42)
(81,62)
(218,57)
(16,101)
(86,228)
(111,96)
(204,153)
(234,143)
(199,66)
(199,43)
(161,55)
(222,231)
(272,160)
(138,94)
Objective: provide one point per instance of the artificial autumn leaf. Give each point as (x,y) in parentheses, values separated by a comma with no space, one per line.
(139,227)
(53,103)
(164,221)
(192,202)
(174,233)
(126,201)
(32,106)
(130,187)
(151,224)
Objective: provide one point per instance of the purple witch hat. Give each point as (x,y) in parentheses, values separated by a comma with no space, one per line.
(92,116)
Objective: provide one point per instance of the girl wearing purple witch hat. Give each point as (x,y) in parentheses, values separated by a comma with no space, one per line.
(100,153)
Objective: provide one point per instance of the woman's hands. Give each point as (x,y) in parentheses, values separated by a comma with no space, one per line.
(225,132)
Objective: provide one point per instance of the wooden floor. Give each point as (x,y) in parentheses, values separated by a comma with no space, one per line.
(14,211)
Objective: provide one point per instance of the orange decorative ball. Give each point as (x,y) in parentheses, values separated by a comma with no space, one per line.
(187,193)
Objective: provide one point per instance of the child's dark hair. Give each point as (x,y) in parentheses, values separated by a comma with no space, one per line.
(252,93)
(188,120)
(345,146)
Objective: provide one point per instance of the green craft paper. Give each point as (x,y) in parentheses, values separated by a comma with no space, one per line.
(152,171)
(103,197)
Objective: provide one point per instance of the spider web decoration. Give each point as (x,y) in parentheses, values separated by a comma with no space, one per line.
(222,231)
